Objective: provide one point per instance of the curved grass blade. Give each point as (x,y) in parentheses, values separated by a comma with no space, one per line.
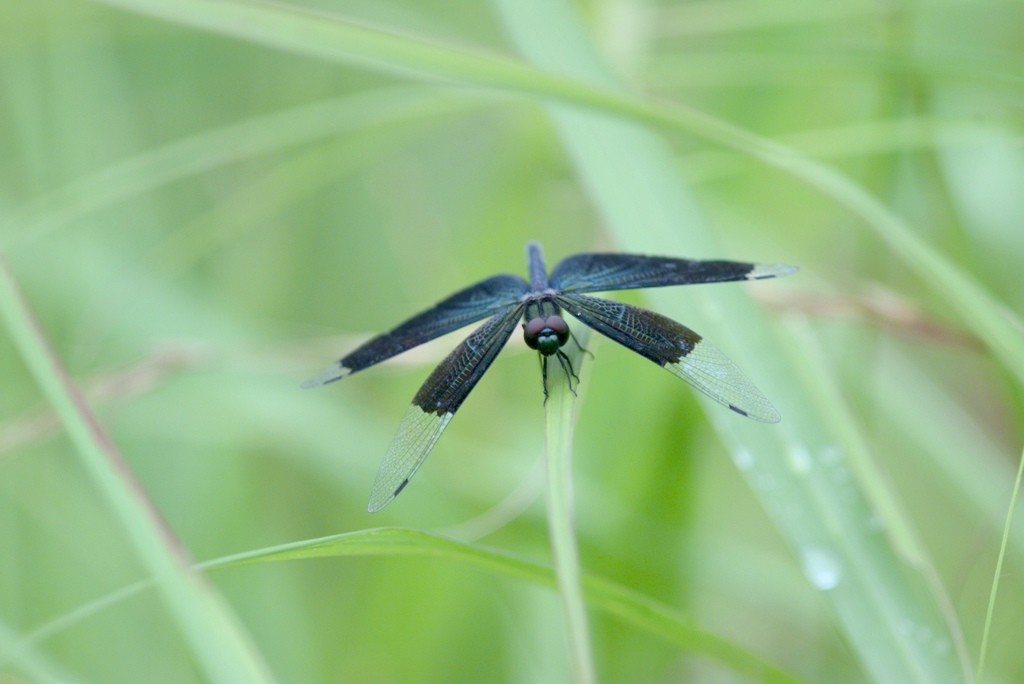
(216,637)
(337,39)
(208,150)
(36,666)
(983,651)
(630,606)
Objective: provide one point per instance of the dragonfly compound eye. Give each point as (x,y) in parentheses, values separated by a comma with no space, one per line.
(546,334)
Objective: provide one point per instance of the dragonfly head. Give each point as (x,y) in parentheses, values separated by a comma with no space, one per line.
(546,334)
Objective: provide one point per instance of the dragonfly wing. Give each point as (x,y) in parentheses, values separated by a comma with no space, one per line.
(436,403)
(606,272)
(467,306)
(676,348)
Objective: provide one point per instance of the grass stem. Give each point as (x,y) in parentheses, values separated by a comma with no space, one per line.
(558,412)
(998,571)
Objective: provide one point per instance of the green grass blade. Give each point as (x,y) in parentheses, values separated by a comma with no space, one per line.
(211,149)
(983,651)
(218,641)
(16,649)
(34,665)
(559,414)
(632,607)
(628,605)
(299,176)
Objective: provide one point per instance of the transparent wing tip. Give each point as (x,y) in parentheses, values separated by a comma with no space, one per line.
(380,497)
(762,414)
(335,371)
(416,436)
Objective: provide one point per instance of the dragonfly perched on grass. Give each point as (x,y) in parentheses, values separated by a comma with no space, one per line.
(506,299)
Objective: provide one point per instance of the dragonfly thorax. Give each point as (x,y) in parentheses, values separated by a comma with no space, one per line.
(546,334)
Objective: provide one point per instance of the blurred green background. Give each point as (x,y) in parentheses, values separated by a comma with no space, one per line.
(200,222)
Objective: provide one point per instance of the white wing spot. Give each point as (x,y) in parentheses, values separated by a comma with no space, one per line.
(335,371)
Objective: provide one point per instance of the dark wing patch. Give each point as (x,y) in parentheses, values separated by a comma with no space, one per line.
(436,403)
(606,272)
(675,347)
(464,307)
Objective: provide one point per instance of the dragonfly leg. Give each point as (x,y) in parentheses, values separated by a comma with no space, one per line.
(580,346)
(566,365)
(544,375)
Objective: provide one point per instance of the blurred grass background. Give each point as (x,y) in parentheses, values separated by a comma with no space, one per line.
(202,222)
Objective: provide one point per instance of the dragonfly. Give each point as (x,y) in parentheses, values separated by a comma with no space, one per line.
(505,300)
